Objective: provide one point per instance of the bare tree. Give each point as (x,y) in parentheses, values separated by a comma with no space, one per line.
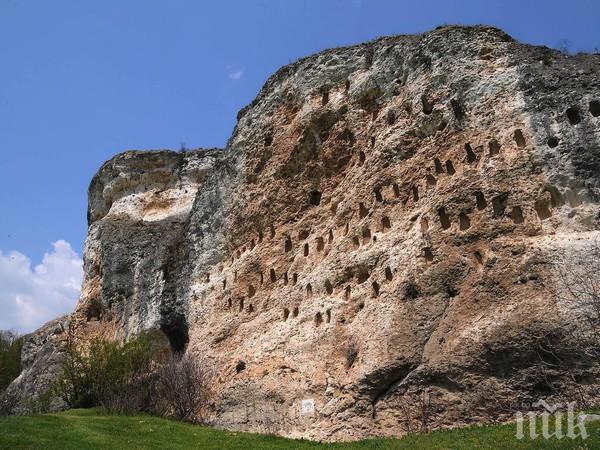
(424,403)
(184,387)
(577,291)
(416,410)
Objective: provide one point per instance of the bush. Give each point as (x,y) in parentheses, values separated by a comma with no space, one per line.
(351,353)
(93,374)
(8,401)
(183,387)
(11,345)
(133,377)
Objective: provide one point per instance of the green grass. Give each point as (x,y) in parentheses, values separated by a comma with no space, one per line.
(87,429)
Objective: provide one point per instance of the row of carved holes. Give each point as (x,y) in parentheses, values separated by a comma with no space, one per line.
(362,277)
(542,206)
(574,116)
(375,290)
(464,221)
(238,253)
(499,203)
(288,243)
(471,156)
(494,147)
(241,303)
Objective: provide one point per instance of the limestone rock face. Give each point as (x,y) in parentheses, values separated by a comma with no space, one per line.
(42,361)
(379,225)
(135,254)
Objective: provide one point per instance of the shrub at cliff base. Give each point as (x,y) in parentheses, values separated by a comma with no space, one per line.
(93,372)
(10,357)
(135,376)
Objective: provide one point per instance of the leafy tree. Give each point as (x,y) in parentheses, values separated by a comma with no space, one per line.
(10,357)
(95,372)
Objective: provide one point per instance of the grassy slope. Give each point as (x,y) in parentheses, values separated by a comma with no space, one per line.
(83,429)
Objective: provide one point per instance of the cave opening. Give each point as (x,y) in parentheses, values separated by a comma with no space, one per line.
(325,97)
(361,158)
(444,219)
(471,156)
(480,200)
(438,166)
(415,193)
(315,198)
(519,138)
(318,319)
(177,332)
(464,221)
(385,223)
(517,215)
(388,274)
(427,105)
(428,253)
(552,141)
(363,211)
(542,208)
(366,235)
(595,108)
(499,204)
(320,244)
(375,286)
(431,181)
(573,115)
(391,117)
(328,287)
(378,195)
(494,147)
(457,109)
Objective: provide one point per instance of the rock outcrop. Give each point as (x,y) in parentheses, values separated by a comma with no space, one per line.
(379,225)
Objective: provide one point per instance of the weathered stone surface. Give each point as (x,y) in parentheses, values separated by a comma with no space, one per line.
(42,359)
(380,223)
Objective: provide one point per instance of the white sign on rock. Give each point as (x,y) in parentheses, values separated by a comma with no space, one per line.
(308,406)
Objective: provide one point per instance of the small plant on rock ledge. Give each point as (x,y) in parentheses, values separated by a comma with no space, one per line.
(351,353)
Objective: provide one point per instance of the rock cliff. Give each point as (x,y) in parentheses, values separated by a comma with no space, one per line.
(379,225)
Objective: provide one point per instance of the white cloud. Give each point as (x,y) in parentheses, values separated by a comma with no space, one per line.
(234,74)
(29,297)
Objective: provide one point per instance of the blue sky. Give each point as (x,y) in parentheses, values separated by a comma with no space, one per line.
(83,80)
